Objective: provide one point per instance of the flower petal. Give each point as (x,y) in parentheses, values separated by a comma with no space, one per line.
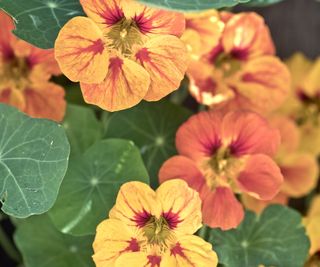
(6,35)
(138,259)
(222,209)
(125,86)
(248,133)
(199,137)
(110,243)
(190,251)
(261,177)
(80,51)
(181,206)
(159,58)
(135,203)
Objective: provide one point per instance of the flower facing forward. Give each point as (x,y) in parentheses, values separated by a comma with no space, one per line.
(149,228)
(240,70)
(123,52)
(24,76)
(225,154)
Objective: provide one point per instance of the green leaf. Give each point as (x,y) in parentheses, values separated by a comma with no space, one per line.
(33,161)
(92,183)
(262,3)
(82,127)
(275,238)
(192,5)
(43,245)
(39,21)
(152,127)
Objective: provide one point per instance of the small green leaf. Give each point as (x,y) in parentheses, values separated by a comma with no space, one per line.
(264,240)
(39,21)
(33,161)
(82,127)
(92,183)
(152,127)
(263,2)
(43,245)
(192,5)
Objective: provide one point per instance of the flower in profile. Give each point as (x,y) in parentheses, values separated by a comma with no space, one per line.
(153,229)
(240,70)
(221,155)
(299,169)
(24,76)
(123,52)
(303,104)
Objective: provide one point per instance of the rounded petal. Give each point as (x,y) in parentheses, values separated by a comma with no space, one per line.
(166,69)
(138,259)
(315,207)
(248,133)
(181,206)
(110,243)
(261,177)
(313,231)
(80,51)
(135,203)
(6,35)
(310,138)
(222,209)
(199,137)
(310,83)
(124,87)
(190,251)
(13,97)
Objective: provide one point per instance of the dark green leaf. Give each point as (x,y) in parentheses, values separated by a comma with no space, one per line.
(39,21)
(92,183)
(263,2)
(33,161)
(152,127)
(275,238)
(43,245)
(192,5)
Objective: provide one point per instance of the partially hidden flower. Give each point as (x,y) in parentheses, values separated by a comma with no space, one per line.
(223,155)
(303,104)
(299,169)
(123,52)
(25,72)
(240,70)
(149,228)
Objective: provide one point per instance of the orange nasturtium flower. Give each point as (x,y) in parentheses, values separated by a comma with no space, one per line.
(225,154)
(149,228)
(123,52)
(299,169)
(303,104)
(24,76)
(240,70)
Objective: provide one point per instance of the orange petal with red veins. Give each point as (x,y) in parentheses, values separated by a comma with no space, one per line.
(248,133)
(190,251)
(6,35)
(261,177)
(181,206)
(166,69)
(222,209)
(199,137)
(80,51)
(246,35)
(13,97)
(124,87)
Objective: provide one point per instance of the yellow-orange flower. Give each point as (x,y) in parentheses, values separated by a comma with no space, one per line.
(149,228)
(240,70)
(24,76)
(123,52)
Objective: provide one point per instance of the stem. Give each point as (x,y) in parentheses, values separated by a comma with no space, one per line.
(9,247)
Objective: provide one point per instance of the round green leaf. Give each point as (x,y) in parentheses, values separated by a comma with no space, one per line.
(33,161)
(39,21)
(275,238)
(152,127)
(41,244)
(91,185)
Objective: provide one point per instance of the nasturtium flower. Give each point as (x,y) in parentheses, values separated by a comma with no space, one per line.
(149,228)
(25,72)
(123,52)
(221,155)
(303,104)
(240,70)
(299,169)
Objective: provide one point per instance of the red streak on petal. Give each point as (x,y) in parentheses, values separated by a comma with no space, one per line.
(172,219)
(133,246)
(256,78)
(143,55)
(141,218)
(154,260)
(177,250)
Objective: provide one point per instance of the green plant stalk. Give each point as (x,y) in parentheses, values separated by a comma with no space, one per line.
(8,247)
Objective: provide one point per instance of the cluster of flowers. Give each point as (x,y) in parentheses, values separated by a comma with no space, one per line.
(259,138)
